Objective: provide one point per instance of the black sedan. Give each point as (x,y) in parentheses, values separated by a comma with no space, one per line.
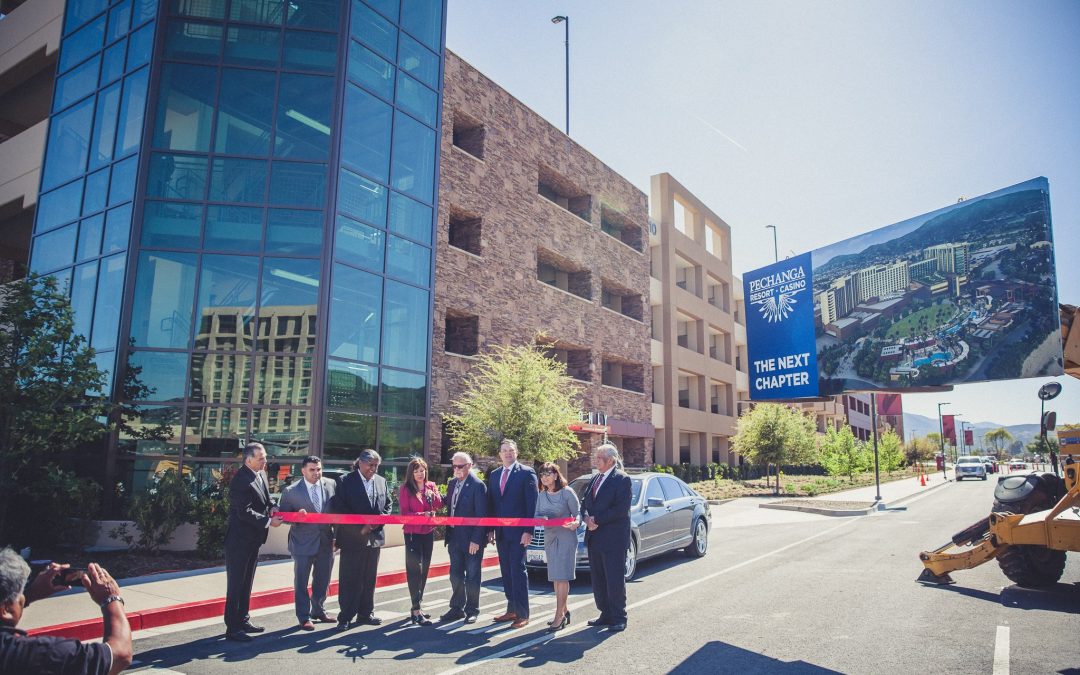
(665,515)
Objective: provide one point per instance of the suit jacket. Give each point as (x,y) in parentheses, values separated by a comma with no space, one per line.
(249,509)
(308,538)
(611,509)
(351,497)
(517,501)
(472,503)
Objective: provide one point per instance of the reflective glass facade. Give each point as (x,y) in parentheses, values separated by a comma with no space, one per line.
(247,220)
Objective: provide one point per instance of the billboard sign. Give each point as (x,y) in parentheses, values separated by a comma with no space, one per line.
(967,293)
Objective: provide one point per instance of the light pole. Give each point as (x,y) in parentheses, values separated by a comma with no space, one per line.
(775,251)
(566,20)
(956,447)
(873,425)
(941,437)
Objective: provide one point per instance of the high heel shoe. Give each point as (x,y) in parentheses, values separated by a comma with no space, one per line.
(562,624)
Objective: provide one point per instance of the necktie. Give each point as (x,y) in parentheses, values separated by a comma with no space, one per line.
(316,498)
(453,502)
(502,481)
(596,485)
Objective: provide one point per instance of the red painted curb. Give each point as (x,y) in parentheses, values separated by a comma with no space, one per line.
(89,629)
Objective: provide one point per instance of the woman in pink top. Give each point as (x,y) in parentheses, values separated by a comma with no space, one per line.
(418,497)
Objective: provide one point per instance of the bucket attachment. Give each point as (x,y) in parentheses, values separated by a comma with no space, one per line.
(928,577)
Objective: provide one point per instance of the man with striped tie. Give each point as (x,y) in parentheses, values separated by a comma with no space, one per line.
(311,545)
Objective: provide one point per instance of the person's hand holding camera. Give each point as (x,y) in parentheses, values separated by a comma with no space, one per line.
(100,585)
(54,578)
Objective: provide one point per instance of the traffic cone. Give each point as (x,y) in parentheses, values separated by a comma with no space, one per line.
(922,479)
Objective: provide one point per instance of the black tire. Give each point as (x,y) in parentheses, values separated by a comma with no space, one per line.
(630,564)
(1028,565)
(700,544)
(984,477)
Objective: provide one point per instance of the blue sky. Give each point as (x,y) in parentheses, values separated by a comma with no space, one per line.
(826,119)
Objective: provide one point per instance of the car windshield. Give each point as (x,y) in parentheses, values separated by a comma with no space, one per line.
(581,482)
(969,460)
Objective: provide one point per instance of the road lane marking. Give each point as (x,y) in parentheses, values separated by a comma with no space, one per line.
(1001,651)
(547,637)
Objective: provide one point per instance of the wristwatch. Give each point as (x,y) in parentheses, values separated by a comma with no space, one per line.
(112,598)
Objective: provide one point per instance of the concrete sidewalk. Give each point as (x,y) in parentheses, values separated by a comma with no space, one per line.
(892,493)
(165,599)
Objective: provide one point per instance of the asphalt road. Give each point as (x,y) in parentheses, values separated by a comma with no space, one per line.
(778,592)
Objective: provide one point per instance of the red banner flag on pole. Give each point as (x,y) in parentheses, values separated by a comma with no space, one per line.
(969,437)
(948,425)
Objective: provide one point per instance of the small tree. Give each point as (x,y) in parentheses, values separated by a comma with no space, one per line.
(842,454)
(771,433)
(999,439)
(890,451)
(519,393)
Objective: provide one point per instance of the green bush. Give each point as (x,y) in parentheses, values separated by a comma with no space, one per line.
(157,513)
(63,507)
(212,516)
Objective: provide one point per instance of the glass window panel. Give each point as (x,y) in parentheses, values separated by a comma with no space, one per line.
(294,231)
(346,434)
(82,43)
(97,189)
(359,244)
(404,393)
(161,423)
(413,166)
(117,229)
(132,109)
(78,83)
(283,380)
(83,288)
(106,363)
(54,249)
(176,176)
(289,298)
(78,13)
(245,112)
(68,144)
(410,218)
(144,10)
(408,261)
(193,41)
(365,141)
(220,378)
(351,385)
(63,280)
(59,206)
(285,433)
(104,137)
(107,306)
(418,61)
(297,184)
(233,228)
(400,438)
(90,237)
(369,69)
(303,121)
(122,186)
(423,20)
(325,14)
(248,46)
(361,198)
(171,225)
(405,327)
(207,9)
(417,99)
(140,46)
(164,296)
(373,30)
(238,180)
(185,107)
(355,301)
(119,21)
(161,373)
(310,51)
(215,432)
(112,63)
(257,11)
(226,306)
(388,8)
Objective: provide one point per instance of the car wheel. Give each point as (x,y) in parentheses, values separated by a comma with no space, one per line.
(630,566)
(700,544)
(984,477)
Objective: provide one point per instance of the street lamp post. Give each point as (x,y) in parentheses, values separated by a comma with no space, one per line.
(941,438)
(873,425)
(775,250)
(566,20)
(957,446)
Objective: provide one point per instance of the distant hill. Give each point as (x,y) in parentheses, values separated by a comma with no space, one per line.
(920,425)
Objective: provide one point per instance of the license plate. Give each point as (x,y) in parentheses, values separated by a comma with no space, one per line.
(536,557)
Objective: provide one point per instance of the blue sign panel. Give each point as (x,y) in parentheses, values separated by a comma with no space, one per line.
(780,330)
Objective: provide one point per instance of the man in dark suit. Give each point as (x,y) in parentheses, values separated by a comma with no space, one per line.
(311,545)
(606,512)
(250,514)
(467,497)
(361,491)
(512,490)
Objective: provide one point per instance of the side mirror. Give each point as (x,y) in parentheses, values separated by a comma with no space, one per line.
(655,501)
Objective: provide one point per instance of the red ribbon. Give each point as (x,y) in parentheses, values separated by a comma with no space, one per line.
(356,519)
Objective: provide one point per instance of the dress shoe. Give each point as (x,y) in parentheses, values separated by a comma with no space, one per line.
(323,618)
(598,621)
(238,636)
(249,627)
(452,615)
(555,627)
(369,620)
(617,627)
(419,620)
(342,624)
(520,623)
(471,618)
(307,625)
(509,616)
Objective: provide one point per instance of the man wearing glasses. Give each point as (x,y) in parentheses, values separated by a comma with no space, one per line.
(466,497)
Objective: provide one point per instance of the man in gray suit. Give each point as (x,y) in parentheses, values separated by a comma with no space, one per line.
(311,545)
